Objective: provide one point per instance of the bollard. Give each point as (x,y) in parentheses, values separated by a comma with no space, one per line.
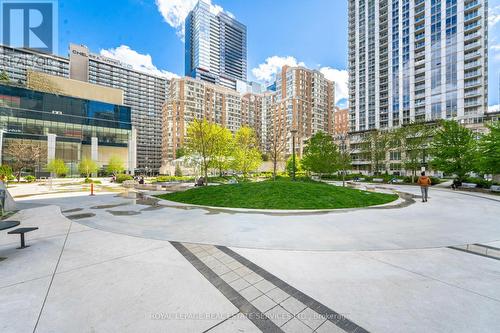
(91,188)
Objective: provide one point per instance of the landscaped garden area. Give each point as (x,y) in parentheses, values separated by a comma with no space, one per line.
(280,194)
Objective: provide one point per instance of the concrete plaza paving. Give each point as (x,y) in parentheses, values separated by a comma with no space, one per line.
(115,263)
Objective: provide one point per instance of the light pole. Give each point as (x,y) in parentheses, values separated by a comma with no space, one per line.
(293,131)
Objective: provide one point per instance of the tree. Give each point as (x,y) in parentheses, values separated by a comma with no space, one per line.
(115,165)
(4,77)
(344,162)
(5,172)
(178,171)
(489,149)
(453,149)
(246,154)
(24,154)
(413,140)
(379,143)
(181,151)
(289,165)
(320,154)
(277,143)
(87,167)
(57,167)
(202,142)
(223,149)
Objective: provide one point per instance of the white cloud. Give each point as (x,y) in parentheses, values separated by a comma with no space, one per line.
(174,12)
(494,108)
(138,61)
(266,72)
(341,79)
(494,16)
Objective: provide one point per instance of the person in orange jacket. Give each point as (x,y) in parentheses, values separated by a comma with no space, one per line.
(424,183)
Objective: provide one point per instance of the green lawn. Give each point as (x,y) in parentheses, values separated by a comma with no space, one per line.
(280,194)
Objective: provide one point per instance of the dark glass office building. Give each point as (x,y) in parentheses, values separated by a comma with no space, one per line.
(67,128)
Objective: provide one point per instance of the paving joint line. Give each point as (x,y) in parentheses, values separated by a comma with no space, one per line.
(52,278)
(221,322)
(432,278)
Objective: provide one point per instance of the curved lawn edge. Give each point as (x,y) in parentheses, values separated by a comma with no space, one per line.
(280,196)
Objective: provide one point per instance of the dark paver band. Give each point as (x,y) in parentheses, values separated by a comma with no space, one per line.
(245,307)
(334,317)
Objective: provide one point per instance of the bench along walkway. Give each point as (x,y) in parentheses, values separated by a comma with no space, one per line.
(22,231)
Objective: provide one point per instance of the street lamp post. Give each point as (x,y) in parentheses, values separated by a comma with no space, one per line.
(293,131)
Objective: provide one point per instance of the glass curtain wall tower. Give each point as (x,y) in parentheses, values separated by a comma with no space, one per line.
(216,47)
(416,60)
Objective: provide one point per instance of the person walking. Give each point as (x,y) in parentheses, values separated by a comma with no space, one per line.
(424,183)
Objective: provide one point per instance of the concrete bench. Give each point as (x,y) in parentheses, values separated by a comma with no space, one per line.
(469,185)
(378,180)
(495,188)
(397,181)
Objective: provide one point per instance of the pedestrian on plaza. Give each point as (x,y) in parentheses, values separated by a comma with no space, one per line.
(424,183)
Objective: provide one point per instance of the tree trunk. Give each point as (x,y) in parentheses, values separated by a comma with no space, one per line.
(343,179)
(275,162)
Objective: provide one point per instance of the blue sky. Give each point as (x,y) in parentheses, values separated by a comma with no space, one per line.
(148,34)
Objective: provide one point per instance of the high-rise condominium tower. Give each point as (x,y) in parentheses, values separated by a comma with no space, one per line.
(415,60)
(216,47)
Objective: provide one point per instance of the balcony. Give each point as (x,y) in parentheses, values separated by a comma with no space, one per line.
(472,16)
(472,26)
(473,102)
(472,5)
(420,93)
(473,93)
(473,45)
(472,74)
(472,36)
(473,64)
(472,83)
(419,70)
(472,55)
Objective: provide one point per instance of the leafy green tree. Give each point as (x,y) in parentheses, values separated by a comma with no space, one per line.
(489,149)
(57,167)
(202,142)
(4,77)
(115,165)
(376,149)
(289,165)
(454,149)
(320,154)
(413,140)
(246,154)
(180,152)
(223,149)
(5,172)
(87,167)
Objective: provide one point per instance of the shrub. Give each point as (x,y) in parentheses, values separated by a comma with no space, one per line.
(30,178)
(58,167)
(120,178)
(163,179)
(481,182)
(91,181)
